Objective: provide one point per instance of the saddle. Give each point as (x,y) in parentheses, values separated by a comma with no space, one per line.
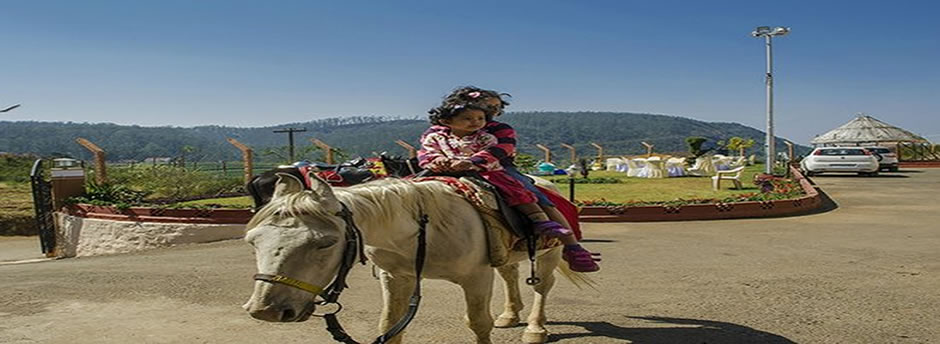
(506,229)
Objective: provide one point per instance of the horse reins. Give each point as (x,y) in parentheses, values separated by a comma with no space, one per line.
(354,248)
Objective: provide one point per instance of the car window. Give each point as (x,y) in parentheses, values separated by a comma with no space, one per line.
(879,150)
(841,151)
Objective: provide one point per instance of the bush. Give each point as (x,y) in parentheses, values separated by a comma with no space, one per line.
(15,168)
(164,183)
(595,180)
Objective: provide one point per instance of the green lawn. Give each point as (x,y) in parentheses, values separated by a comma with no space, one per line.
(651,190)
(16,211)
(228,202)
(629,189)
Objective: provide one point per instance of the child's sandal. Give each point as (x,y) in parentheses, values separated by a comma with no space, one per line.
(580,260)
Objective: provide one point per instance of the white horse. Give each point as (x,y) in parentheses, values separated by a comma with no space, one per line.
(299,234)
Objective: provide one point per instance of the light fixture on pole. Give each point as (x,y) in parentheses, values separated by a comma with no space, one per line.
(10,108)
(768,33)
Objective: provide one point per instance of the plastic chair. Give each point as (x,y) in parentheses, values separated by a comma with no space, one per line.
(655,168)
(637,168)
(703,167)
(675,167)
(612,163)
(733,175)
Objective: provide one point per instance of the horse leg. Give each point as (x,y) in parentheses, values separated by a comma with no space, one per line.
(535,331)
(396,291)
(478,290)
(513,303)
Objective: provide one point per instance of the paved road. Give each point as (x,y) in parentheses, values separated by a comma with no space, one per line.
(865,272)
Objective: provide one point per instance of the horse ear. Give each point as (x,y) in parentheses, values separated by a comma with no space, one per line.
(321,187)
(286,184)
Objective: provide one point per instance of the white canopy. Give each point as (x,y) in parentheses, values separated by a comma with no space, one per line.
(865,129)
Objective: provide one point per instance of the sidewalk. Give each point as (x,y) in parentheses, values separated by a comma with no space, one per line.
(19,248)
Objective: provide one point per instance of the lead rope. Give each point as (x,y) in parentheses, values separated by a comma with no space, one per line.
(332,323)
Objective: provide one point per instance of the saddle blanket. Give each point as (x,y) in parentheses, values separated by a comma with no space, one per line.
(501,240)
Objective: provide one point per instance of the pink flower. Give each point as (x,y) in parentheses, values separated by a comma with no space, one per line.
(474,94)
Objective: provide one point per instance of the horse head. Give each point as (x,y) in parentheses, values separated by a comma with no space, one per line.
(298,242)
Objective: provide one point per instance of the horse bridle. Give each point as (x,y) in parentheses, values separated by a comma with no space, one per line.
(355,247)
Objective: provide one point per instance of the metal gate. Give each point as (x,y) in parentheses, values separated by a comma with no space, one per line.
(42,202)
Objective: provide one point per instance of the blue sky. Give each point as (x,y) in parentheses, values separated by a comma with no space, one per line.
(254,63)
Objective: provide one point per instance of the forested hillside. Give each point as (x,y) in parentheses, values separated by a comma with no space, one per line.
(619,133)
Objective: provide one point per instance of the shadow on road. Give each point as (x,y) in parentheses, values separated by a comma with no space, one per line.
(597,240)
(690,331)
(879,176)
(828,204)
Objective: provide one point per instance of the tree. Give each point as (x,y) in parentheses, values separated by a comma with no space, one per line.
(740,144)
(186,149)
(695,146)
(525,162)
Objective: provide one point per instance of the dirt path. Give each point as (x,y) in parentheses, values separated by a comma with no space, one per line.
(866,272)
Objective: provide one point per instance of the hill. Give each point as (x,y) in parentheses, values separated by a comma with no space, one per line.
(619,133)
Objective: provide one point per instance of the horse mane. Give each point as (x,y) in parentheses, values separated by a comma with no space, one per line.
(373,203)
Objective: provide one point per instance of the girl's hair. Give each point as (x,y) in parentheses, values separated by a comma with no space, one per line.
(451,110)
(477,96)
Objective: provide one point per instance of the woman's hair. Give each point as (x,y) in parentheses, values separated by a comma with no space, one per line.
(477,96)
(451,110)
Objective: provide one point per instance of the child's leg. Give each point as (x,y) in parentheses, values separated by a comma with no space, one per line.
(578,258)
(556,216)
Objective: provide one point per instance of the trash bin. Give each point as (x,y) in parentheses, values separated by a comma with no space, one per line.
(68,180)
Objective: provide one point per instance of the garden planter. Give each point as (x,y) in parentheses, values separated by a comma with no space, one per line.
(713,211)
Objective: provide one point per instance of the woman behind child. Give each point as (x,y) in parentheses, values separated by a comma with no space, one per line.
(456,141)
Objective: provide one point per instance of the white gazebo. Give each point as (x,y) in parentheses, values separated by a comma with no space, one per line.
(866,130)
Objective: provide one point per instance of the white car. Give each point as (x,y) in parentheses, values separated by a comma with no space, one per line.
(887,160)
(840,159)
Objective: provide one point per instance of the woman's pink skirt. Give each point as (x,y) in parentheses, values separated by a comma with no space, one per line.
(511,189)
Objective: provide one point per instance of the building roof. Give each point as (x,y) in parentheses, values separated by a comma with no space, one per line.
(866,129)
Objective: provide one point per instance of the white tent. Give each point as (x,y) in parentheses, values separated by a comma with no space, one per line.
(865,130)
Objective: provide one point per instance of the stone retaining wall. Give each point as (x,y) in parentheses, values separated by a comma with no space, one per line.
(78,236)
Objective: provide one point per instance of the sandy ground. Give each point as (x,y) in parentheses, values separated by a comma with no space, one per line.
(866,272)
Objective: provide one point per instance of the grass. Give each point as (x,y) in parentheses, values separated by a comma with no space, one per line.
(227,202)
(652,190)
(16,211)
(628,189)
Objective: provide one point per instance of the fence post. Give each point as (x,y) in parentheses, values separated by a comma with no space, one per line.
(574,156)
(246,157)
(325,147)
(548,152)
(600,151)
(412,153)
(649,149)
(101,175)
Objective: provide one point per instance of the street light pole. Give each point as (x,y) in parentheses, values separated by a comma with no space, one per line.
(769,79)
(7,109)
(769,144)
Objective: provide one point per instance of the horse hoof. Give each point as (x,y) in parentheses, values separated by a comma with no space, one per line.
(502,322)
(535,337)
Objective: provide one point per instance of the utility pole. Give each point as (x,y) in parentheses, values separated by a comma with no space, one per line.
(290,138)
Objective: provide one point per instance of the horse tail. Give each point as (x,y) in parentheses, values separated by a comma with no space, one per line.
(579,279)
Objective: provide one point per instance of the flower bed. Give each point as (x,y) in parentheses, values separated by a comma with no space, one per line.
(786,198)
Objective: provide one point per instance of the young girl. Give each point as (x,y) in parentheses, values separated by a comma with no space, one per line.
(457,141)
